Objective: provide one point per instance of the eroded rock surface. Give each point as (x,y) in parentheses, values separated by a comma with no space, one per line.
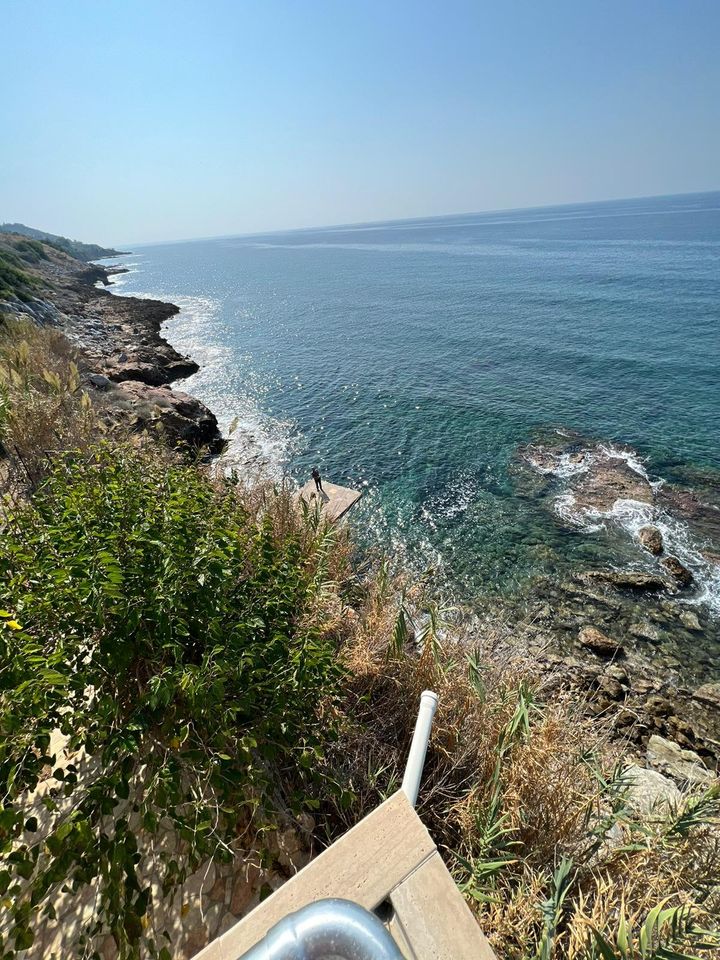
(119,341)
(599,642)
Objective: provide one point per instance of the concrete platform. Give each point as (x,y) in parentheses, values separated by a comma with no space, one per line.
(335,501)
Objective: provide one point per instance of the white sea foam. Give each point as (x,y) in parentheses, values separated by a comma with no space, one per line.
(257,442)
(631,516)
(630,458)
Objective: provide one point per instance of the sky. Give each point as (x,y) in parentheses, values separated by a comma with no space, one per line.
(149,120)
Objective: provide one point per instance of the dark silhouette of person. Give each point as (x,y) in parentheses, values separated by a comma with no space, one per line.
(318,479)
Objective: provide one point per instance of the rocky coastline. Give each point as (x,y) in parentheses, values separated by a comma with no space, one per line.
(600,633)
(635,640)
(126,364)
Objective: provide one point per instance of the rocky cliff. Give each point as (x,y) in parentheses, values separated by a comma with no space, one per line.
(126,364)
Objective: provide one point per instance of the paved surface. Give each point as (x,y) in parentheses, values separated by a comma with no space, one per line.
(335,501)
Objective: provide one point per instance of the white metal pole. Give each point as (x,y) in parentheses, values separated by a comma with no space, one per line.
(418,747)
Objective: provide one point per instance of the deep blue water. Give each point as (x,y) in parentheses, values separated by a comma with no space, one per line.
(414,357)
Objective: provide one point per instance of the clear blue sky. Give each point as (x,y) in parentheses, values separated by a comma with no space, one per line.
(161,119)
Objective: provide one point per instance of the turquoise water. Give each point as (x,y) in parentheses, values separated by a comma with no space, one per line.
(414,357)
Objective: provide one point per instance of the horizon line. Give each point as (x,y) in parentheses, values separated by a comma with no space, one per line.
(393,220)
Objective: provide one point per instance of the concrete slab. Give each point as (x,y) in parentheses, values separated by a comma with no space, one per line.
(334,500)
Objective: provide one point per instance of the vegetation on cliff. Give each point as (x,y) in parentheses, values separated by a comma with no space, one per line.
(16,254)
(83,251)
(183,653)
(178,631)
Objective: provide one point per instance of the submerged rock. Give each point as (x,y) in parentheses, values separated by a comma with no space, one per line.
(690,621)
(678,571)
(645,631)
(651,539)
(627,579)
(599,642)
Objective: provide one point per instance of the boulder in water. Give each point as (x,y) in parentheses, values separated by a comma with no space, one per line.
(651,539)
(678,571)
(628,579)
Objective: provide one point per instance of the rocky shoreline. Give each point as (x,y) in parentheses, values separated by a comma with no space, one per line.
(126,364)
(601,633)
(635,640)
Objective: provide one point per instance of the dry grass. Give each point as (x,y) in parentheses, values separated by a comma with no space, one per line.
(519,782)
(43,409)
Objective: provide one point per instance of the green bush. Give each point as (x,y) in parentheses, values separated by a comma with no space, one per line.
(173,627)
(14,280)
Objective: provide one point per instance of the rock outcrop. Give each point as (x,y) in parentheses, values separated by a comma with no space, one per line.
(119,342)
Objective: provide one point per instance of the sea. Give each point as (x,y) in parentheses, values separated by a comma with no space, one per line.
(414,359)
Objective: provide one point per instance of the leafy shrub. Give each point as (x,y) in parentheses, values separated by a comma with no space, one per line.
(177,632)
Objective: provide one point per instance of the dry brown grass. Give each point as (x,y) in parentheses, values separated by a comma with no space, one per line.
(43,409)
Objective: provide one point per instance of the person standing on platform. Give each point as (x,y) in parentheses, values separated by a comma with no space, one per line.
(318,480)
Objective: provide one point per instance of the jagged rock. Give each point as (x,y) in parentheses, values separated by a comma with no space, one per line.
(689,620)
(628,579)
(681,731)
(708,693)
(658,706)
(599,642)
(151,372)
(182,419)
(650,791)
(100,381)
(678,571)
(651,539)
(684,765)
(645,631)
(617,673)
(611,688)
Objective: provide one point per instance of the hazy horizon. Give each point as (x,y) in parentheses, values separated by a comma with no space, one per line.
(399,220)
(166,121)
